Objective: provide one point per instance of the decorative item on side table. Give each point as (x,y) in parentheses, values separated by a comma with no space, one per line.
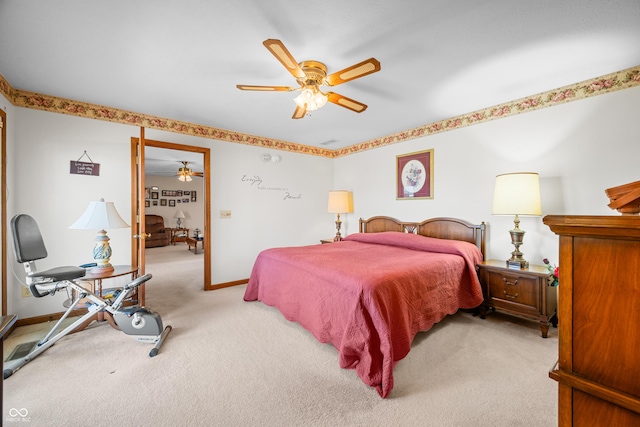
(554,273)
(517,194)
(100,215)
(180,216)
(340,201)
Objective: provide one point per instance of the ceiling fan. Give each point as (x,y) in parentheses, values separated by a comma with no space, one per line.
(313,74)
(185,173)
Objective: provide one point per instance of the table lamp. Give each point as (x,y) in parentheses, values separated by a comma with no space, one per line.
(180,216)
(340,201)
(517,194)
(100,215)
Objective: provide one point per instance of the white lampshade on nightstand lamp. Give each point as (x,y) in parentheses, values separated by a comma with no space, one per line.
(101,216)
(180,216)
(340,201)
(517,194)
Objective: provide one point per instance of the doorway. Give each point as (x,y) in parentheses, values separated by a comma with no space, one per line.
(173,155)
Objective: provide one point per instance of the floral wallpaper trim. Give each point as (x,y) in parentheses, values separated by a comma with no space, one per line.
(600,85)
(53,104)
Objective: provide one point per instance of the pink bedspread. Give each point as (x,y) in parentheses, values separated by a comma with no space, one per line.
(370,294)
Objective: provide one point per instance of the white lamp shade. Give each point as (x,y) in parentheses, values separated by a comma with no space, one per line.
(99,215)
(180,215)
(517,194)
(340,201)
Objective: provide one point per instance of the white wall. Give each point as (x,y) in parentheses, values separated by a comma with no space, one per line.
(579,149)
(39,183)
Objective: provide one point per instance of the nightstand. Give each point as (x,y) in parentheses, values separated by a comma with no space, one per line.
(523,293)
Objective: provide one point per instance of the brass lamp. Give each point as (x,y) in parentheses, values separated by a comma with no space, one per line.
(517,194)
(340,201)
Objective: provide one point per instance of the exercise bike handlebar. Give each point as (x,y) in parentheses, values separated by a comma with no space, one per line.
(137,282)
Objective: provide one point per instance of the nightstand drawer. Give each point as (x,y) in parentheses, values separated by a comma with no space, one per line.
(514,291)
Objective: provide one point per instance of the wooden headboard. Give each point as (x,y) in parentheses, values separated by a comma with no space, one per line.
(441,228)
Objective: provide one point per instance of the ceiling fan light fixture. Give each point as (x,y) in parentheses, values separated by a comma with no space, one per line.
(310,98)
(184,177)
(184,173)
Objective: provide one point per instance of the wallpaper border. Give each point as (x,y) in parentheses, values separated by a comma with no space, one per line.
(620,80)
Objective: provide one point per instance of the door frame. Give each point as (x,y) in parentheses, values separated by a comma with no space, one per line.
(3,209)
(135,202)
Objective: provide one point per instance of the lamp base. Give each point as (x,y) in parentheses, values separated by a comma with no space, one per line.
(338,226)
(518,264)
(517,236)
(98,270)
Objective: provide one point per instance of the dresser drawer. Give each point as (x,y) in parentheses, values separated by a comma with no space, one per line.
(514,292)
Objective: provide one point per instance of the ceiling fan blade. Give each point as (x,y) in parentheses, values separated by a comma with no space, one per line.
(200,174)
(345,102)
(277,48)
(266,88)
(361,69)
(299,113)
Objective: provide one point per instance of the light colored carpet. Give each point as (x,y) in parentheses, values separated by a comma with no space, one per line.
(235,363)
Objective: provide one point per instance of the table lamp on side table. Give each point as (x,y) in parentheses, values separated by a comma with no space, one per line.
(180,216)
(517,194)
(340,201)
(100,215)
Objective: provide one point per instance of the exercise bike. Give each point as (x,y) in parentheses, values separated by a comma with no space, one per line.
(141,323)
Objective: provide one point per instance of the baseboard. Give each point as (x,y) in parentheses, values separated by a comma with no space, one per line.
(55,316)
(227,284)
(45,318)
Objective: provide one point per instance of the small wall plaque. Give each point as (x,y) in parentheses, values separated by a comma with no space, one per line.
(84,168)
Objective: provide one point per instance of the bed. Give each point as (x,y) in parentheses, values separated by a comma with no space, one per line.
(371,293)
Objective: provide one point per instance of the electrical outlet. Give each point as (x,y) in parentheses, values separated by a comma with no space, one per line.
(26,293)
(225,214)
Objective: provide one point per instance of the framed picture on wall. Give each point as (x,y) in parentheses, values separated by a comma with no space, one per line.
(154,194)
(147,203)
(414,175)
(193,196)
(147,193)
(172,202)
(155,203)
(163,202)
(185,200)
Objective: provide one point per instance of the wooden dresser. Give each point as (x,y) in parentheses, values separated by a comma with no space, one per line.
(598,369)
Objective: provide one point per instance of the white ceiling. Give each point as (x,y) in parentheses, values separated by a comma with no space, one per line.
(440,58)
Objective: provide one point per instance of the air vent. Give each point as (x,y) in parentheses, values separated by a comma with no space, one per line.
(329,142)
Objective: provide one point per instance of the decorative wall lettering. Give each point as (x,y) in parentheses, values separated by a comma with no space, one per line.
(256,182)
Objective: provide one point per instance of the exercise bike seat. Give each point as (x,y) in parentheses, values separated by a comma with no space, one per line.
(53,275)
(58,274)
(29,246)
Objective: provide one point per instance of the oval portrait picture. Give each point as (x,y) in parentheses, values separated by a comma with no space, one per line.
(413,177)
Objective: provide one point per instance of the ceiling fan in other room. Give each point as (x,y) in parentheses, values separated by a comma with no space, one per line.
(313,74)
(185,173)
